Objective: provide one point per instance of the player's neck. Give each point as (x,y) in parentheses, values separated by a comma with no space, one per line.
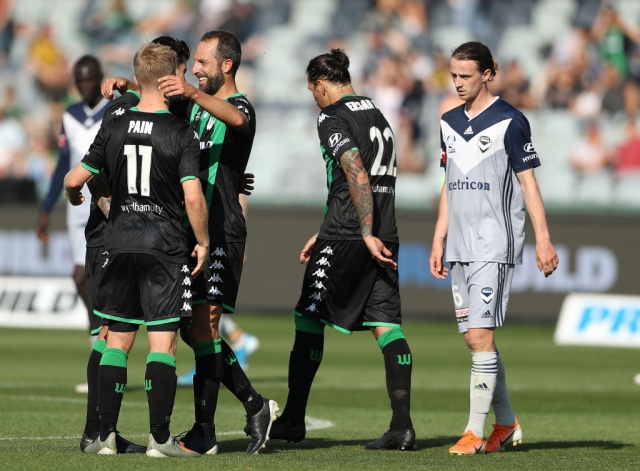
(479,103)
(152,102)
(228,89)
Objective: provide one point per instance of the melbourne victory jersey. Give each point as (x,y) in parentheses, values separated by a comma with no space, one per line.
(224,157)
(147,156)
(354,122)
(485,202)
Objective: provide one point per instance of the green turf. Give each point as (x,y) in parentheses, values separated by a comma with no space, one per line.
(578,406)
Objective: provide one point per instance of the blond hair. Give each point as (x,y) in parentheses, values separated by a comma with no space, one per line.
(153,61)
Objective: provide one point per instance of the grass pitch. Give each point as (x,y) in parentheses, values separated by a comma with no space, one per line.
(578,406)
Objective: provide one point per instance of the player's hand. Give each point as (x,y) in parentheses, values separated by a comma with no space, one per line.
(380,254)
(201,253)
(247,184)
(42,226)
(76,199)
(546,257)
(305,255)
(438,268)
(111,84)
(172,85)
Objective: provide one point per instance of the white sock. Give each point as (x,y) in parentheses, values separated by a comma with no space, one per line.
(226,326)
(484,374)
(501,403)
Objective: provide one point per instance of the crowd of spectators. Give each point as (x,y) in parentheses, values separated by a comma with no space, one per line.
(591,69)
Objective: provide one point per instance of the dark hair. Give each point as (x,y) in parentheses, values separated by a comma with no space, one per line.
(228,47)
(178,45)
(90,61)
(478,52)
(332,66)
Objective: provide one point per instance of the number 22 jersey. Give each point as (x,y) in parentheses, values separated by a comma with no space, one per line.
(354,122)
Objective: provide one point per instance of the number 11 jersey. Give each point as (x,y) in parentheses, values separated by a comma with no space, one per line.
(148,156)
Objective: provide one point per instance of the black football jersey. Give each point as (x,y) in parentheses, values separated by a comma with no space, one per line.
(224,156)
(354,122)
(147,157)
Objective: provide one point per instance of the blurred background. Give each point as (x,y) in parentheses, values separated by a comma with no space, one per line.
(572,66)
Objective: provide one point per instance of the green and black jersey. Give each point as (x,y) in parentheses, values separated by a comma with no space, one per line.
(224,154)
(354,122)
(147,157)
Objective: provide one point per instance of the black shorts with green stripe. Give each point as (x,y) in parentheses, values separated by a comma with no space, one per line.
(345,289)
(220,278)
(143,289)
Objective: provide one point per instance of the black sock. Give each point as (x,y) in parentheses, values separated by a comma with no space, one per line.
(304,362)
(92,424)
(397,363)
(236,381)
(160,382)
(206,381)
(112,382)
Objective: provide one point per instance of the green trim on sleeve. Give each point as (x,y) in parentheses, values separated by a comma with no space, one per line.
(91,169)
(184,179)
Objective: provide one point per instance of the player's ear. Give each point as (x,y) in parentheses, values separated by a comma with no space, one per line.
(227,64)
(135,80)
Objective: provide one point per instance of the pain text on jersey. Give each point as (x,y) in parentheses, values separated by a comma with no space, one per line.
(140,127)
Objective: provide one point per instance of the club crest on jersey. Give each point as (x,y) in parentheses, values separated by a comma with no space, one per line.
(486,294)
(484,142)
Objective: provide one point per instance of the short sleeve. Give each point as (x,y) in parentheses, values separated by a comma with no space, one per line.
(190,155)
(335,135)
(518,145)
(95,159)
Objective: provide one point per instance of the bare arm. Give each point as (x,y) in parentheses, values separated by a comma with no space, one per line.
(438,269)
(121,84)
(172,85)
(546,255)
(198,215)
(360,191)
(73,182)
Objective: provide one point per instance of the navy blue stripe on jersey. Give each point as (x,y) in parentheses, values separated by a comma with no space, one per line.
(499,317)
(507,200)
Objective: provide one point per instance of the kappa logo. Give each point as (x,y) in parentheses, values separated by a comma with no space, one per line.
(319,273)
(327,250)
(219,252)
(214,290)
(468,131)
(186,282)
(528,147)
(184,269)
(322,117)
(318,285)
(316,297)
(486,294)
(119,111)
(215,278)
(187,294)
(312,307)
(323,262)
(484,142)
(334,139)
(186,306)
(217,265)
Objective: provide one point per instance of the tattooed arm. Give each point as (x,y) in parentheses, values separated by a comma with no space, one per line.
(100,192)
(360,191)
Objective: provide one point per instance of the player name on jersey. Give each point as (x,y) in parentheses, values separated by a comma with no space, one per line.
(140,127)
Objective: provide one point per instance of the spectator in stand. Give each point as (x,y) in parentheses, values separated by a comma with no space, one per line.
(591,155)
(627,159)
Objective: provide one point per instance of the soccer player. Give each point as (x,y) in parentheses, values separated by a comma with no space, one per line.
(226,123)
(152,159)
(96,255)
(489,160)
(80,124)
(351,279)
